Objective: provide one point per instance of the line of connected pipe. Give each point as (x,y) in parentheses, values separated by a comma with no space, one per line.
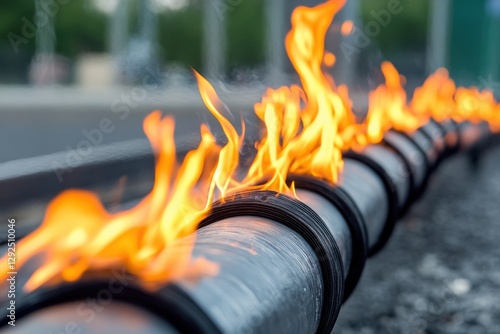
(286,265)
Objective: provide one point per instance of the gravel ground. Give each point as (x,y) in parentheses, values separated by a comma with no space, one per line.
(440,272)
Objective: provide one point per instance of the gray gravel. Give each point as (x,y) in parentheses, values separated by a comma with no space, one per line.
(440,272)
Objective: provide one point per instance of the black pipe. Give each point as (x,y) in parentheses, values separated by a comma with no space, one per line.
(425,142)
(112,318)
(414,165)
(96,295)
(389,181)
(269,268)
(344,219)
(321,237)
(283,264)
(435,134)
(359,181)
(452,136)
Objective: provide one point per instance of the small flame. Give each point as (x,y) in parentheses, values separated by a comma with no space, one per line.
(347,27)
(229,154)
(436,97)
(387,109)
(329,59)
(475,105)
(440,99)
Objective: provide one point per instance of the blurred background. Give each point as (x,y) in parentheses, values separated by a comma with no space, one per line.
(68,63)
(109,42)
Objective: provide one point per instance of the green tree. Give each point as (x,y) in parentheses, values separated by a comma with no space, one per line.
(80,28)
(246,29)
(181,36)
(406,30)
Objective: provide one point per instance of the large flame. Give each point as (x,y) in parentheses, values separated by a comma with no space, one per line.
(79,235)
(302,124)
(307,128)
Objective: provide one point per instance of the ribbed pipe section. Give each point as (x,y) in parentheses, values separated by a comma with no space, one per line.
(286,265)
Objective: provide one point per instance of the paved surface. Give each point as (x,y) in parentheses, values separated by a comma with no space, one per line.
(41,121)
(440,272)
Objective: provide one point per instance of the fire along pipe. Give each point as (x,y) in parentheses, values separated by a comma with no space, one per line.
(286,265)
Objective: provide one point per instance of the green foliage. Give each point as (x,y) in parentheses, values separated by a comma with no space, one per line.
(246,29)
(11,14)
(80,28)
(407,30)
(181,36)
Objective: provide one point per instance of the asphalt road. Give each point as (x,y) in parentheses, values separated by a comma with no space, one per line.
(36,122)
(440,272)
(40,121)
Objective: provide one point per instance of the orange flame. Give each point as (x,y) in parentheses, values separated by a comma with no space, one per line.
(495,121)
(435,97)
(329,59)
(440,99)
(229,154)
(79,235)
(307,128)
(387,109)
(347,27)
(474,105)
(302,124)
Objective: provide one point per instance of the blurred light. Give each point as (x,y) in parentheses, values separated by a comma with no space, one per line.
(329,59)
(347,27)
(171,4)
(108,6)
(494,7)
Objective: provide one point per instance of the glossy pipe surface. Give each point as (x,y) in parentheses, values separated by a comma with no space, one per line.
(368,192)
(393,166)
(334,220)
(437,136)
(267,272)
(72,317)
(411,153)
